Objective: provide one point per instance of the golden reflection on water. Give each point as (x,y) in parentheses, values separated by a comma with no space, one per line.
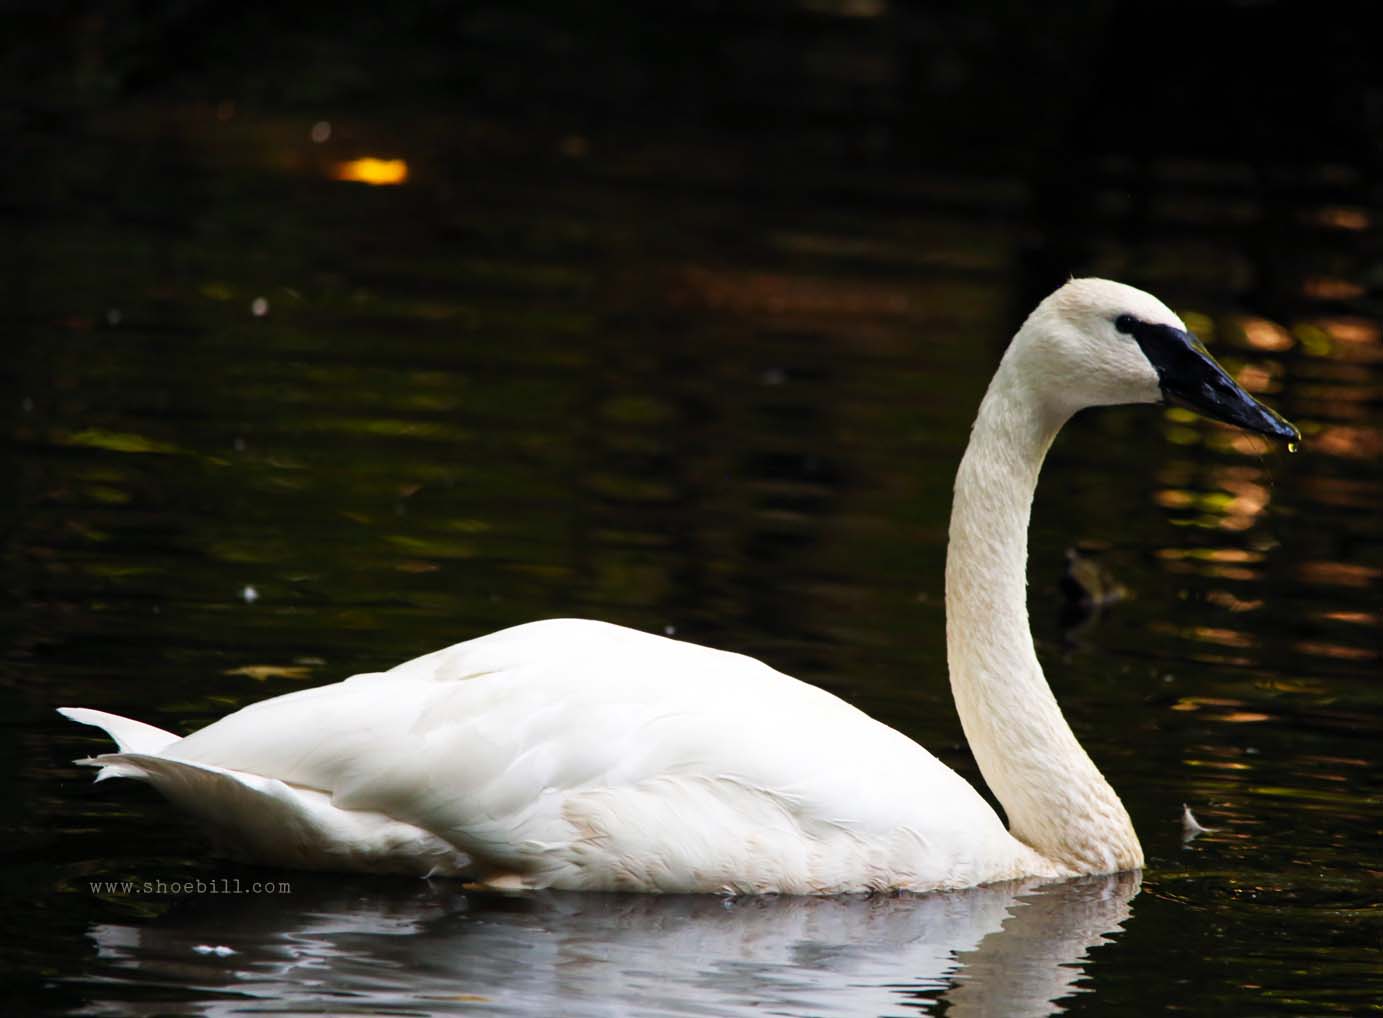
(1262,334)
(1330,288)
(260,673)
(1352,441)
(1335,651)
(1341,217)
(1223,438)
(1223,637)
(1261,377)
(1336,574)
(372,170)
(1224,599)
(1346,337)
(1210,554)
(1222,765)
(1355,331)
(1221,708)
(1355,618)
(1232,497)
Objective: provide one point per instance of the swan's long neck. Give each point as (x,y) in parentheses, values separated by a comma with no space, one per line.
(1056,799)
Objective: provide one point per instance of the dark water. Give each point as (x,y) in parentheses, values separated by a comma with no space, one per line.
(705,374)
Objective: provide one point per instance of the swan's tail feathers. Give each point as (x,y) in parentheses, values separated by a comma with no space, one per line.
(130,737)
(264,820)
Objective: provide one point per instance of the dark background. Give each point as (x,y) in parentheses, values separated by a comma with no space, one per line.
(1062,97)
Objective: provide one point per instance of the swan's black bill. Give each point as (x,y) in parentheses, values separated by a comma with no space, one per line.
(1191,378)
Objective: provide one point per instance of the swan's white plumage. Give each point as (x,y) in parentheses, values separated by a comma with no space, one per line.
(130,736)
(580,755)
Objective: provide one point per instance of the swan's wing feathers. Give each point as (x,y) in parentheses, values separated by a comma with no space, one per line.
(562,699)
(539,746)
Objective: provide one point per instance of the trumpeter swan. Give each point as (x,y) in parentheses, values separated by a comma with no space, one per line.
(581,755)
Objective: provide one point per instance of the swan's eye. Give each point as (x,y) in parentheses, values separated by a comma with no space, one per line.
(1126,324)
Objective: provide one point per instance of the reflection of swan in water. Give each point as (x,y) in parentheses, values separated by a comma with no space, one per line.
(1004,949)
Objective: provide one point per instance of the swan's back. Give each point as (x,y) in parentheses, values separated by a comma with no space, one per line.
(579,754)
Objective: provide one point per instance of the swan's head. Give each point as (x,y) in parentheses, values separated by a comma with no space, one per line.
(1096,343)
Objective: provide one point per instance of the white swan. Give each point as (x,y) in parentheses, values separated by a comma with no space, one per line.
(580,755)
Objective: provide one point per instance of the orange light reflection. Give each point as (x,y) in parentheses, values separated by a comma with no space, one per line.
(1330,288)
(1355,618)
(1337,651)
(1265,335)
(372,171)
(1223,637)
(1349,441)
(1226,600)
(1343,217)
(1260,378)
(1337,574)
(1350,330)
(1212,554)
